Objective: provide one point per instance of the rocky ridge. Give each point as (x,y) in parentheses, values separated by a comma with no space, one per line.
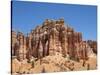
(49,42)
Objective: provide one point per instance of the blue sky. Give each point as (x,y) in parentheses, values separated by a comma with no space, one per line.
(27,15)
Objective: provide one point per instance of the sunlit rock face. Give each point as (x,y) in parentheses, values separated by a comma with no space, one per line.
(93,45)
(51,37)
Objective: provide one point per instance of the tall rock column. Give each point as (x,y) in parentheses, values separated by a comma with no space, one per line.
(30,39)
(22,50)
(77,38)
(71,46)
(51,45)
(64,43)
(14,40)
(40,50)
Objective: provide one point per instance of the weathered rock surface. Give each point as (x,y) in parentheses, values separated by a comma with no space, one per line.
(56,63)
(51,39)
